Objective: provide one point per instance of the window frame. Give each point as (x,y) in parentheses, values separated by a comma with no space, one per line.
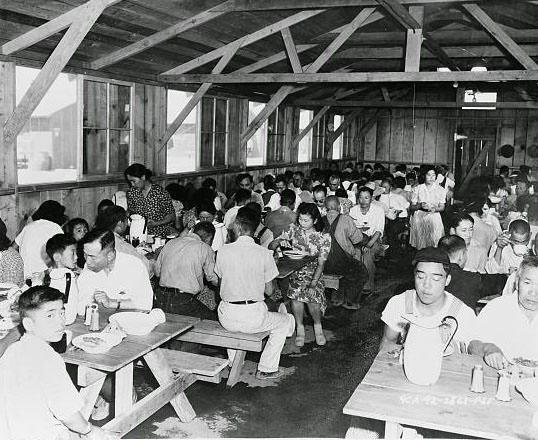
(264,126)
(198,146)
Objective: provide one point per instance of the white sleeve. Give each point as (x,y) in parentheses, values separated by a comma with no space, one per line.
(392,314)
(510,286)
(274,202)
(85,291)
(379,221)
(140,293)
(492,267)
(466,326)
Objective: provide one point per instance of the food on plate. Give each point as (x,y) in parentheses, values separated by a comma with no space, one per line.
(525,362)
(93,341)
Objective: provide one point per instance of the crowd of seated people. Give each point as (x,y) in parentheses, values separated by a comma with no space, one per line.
(221,263)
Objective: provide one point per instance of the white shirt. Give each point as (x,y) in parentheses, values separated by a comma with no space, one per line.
(509,260)
(36,392)
(374,219)
(396,202)
(128,275)
(274,202)
(58,281)
(503,323)
(395,309)
(230,215)
(32,241)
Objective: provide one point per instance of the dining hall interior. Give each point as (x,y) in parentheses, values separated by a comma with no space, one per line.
(212,89)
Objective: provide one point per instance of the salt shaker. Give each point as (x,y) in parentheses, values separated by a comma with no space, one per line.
(503,387)
(477,380)
(94,325)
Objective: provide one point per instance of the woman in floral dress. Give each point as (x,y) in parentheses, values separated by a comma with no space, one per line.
(306,284)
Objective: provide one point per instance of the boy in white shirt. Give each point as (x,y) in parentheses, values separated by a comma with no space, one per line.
(62,251)
(429,300)
(38,399)
(508,251)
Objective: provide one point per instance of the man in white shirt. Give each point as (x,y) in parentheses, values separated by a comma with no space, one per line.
(113,279)
(507,327)
(246,271)
(428,300)
(335,182)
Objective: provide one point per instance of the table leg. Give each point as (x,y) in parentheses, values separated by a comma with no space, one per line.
(237,365)
(393,430)
(89,396)
(123,390)
(160,368)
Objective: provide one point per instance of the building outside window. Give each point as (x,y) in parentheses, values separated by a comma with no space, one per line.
(214,132)
(305,145)
(181,151)
(257,144)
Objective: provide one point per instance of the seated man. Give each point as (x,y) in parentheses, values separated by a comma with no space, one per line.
(320,194)
(38,399)
(279,220)
(477,255)
(245,181)
(508,251)
(263,235)
(112,279)
(428,299)
(241,198)
(507,326)
(464,285)
(182,266)
(341,260)
(335,182)
(246,271)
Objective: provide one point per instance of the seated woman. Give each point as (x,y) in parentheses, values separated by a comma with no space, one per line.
(11,265)
(306,284)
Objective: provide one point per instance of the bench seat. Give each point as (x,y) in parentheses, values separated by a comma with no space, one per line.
(332,281)
(206,368)
(210,332)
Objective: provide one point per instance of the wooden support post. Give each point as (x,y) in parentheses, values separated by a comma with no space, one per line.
(54,65)
(195,99)
(412,50)
(8,153)
(123,389)
(284,91)
(47,29)
(501,36)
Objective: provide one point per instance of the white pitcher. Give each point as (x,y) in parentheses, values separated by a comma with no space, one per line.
(424,348)
(138,227)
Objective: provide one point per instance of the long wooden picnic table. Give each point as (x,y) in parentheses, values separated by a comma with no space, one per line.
(286,266)
(120,360)
(385,394)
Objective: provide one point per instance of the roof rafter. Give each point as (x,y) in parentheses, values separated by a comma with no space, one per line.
(291,50)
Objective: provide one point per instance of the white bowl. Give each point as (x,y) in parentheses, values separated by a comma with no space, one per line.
(529,388)
(134,323)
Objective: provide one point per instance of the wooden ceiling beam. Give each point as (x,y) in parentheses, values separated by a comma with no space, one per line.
(291,50)
(284,91)
(80,26)
(411,104)
(501,36)
(46,30)
(275,5)
(359,77)
(414,41)
(159,37)
(280,56)
(246,40)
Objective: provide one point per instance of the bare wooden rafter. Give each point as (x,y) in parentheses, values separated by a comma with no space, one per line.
(309,126)
(414,41)
(284,91)
(65,49)
(159,37)
(291,50)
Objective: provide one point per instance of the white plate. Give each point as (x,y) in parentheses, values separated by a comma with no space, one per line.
(294,255)
(96,343)
(134,323)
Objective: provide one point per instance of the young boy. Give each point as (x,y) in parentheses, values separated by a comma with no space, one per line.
(462,225)
(38,399)
(242,197)
(508,251)
(62,251)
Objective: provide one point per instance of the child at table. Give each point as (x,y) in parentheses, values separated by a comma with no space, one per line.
(62,251)
(38,399)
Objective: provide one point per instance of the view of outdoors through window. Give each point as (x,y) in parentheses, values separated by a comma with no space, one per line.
(305,145)
(181,148)
(257,143)
(337,145)
(47,145)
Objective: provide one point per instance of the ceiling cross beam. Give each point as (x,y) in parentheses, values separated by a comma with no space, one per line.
(61,55)
(284,91)
(291,50)
(245,40)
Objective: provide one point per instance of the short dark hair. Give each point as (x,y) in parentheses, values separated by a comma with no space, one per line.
(256,207)
(287,198)
(365,189)
(399,182)
(109,217)
(177,192)
(312,210)
(243,176)
(103,204)
(35,297)
(69,227)
(341,192)
(103,236)
(209,182)
(52,211)
(242,195)
(298,173)
(520,226)
(247,220)
(452,244)
(281,178)
(456,218)
(319,188)
(204,229)
(137,170)
(268,182)
(207,206)
(58,243)
(504,169)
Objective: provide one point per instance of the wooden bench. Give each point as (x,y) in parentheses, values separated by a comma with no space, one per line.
(205,368)
(210,332)
(332,281)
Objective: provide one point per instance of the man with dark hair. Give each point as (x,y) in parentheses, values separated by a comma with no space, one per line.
(38,399)
(263,235)
(246,271)
(464,285)
(114,218)
(279,220)
(185,266)
(245,181)
(462,225)
(112,279)
(242,197)
(211,184)
(319,193)
(429,299)
(508,251)
(281,183)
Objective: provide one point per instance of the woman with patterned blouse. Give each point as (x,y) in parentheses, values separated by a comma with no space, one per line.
(11,265)
(306,284)
(149,200)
